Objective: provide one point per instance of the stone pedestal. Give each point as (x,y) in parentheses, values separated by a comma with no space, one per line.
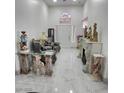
(48,65)
(97,66)
(52,55)
(17,65)
(38,66)
(24,61)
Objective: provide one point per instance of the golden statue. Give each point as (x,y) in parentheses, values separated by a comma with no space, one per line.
(43,38)
(85,32)
(95,33)
(89,34)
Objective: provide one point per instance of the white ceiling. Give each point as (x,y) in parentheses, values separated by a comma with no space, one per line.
(65,3)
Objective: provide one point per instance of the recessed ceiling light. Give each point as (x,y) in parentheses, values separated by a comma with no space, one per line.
(74,0)
(54,0)
(71,91)
(56,89)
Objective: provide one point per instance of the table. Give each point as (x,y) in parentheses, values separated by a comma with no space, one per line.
(50,53)
(47,57)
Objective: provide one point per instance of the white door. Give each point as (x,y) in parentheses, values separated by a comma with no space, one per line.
(64,34)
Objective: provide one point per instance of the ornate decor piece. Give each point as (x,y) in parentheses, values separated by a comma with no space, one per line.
(89,34)
(95,33)
(23,43)
(65,18)
(85,32)
(43,38)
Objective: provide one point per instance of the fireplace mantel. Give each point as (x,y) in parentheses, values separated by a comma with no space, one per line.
(90,49)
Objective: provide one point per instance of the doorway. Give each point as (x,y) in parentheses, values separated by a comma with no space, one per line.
(65,35)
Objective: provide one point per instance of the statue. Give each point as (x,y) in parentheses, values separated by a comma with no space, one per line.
(89,34)
(23,40)
(85,32)
(43,38)
(95,33)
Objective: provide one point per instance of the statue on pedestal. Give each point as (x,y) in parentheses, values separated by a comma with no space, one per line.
(85,32)
(23,38)
(43,38)
(89,34)
(95,33)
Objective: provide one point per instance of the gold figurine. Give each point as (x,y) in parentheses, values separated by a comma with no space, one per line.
(95,33)
(89,34)
(85,32)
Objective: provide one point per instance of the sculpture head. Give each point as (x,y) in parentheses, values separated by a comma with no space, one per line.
(23,32)
(95,25)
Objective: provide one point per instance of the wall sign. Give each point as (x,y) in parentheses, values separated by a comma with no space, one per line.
(65,18)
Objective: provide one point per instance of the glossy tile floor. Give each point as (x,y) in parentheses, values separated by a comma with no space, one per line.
(67,78)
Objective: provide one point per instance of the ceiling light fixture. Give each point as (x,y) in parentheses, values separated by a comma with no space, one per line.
(56,89)
(54,0)
(71,91)
(74,0)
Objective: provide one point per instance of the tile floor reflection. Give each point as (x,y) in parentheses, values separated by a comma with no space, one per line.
(67,78)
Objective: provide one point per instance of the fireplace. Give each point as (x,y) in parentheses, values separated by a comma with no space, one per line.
(87,50)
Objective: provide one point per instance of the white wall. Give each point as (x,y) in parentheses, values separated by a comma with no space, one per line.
(97,11)
(75,11)
(85,10)
(31,16)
